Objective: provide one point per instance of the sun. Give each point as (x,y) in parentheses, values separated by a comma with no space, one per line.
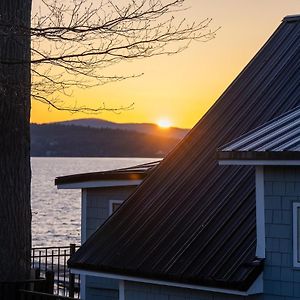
(164,123)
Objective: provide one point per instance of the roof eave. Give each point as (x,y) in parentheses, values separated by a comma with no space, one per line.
(92,177)
(138,172)
(259,155)
(245,289)
(258,158)
(100,184)
(232,287)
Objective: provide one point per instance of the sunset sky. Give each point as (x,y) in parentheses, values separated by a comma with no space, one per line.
(181,88)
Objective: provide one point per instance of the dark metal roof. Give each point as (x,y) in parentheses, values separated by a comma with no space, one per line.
(192,220)
(130,173)
(277,139)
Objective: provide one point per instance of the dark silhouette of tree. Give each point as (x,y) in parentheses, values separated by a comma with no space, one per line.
(15,212)
(66,44)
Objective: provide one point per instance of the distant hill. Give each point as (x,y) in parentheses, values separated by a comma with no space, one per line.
(148,128)
(79,141)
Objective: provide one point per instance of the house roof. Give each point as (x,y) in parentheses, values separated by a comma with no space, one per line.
(193,221)
(278,139)
(130,173)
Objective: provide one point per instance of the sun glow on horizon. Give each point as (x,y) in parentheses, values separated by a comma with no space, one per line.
(164,123)
(180,87)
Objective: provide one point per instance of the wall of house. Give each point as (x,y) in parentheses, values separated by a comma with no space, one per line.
(282,189)
(98,205)
(97,212)
(138,291)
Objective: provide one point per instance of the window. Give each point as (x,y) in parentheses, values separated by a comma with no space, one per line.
(296,233)
(114,205)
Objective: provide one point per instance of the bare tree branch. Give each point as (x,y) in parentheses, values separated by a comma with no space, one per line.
(75,41)
(84,109)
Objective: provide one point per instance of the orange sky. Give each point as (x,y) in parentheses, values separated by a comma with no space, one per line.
(182,87)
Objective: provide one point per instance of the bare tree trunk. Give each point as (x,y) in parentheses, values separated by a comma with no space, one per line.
(15,174)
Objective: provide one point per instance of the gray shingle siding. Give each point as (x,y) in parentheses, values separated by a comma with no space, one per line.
(281,279)
(98,205)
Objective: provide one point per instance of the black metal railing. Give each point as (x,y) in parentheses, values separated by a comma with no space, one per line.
(55,259)
(32,295)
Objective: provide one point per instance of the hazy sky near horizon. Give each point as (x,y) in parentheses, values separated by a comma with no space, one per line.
(183,87)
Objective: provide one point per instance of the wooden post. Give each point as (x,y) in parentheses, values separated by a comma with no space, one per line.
(71,276)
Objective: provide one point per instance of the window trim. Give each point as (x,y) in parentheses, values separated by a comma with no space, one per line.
(111,204)
(296,232)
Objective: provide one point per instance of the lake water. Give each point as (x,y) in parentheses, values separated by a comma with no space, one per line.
(56,213)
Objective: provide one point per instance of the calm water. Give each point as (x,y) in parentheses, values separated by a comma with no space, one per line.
(56,213)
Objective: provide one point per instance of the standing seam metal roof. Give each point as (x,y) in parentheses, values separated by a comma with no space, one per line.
(280,134)
(192,221)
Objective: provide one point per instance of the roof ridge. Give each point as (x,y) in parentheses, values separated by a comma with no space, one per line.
(292,18)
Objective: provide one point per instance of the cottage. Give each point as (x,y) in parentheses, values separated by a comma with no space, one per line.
(199,230)
(102,194)
(274,150)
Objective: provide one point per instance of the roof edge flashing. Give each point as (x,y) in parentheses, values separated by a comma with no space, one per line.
(99,184)
(255,288)
(292,18)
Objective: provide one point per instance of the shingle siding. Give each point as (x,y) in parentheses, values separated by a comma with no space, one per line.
(98,205)
(281,279)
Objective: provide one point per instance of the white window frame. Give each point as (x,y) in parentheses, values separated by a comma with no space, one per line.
(296,237)
(111,204)
(260,213)
(121,290)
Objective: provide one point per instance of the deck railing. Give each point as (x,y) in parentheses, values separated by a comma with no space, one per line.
(31,295)
(55,259)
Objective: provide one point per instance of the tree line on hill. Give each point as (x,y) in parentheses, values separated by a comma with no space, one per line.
(56,140)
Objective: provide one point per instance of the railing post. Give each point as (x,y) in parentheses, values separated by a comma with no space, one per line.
(71,276)
(34,274)
(56,256)
(49,282)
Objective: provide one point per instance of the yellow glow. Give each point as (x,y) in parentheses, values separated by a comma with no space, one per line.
(164,123)
(184,86)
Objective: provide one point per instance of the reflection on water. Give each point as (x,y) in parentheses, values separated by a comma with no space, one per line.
(56,213)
